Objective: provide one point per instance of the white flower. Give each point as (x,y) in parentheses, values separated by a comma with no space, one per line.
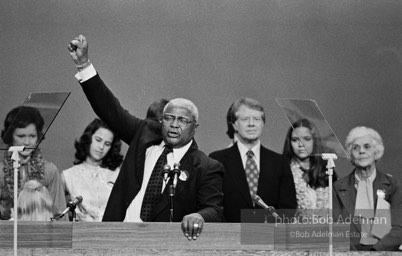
(381,193)
(183,175)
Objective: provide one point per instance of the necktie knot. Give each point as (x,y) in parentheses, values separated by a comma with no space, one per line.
(168,149)
(250,153)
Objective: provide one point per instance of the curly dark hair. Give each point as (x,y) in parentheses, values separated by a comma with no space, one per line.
(317,173)
(113,158)
(21,117)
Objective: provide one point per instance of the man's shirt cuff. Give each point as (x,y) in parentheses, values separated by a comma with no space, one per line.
(86,74)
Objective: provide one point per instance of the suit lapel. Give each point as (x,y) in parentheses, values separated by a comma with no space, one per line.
(380,183)
(186,164)
(145,142)
(347,194)
(264,175)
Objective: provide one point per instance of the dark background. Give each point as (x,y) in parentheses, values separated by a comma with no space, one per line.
(346,55)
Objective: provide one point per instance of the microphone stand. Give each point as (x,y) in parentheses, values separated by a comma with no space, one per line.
(72,209)
(169,185)
(171,201)
(330,172)
(174,175)
(15,157)
(168,173)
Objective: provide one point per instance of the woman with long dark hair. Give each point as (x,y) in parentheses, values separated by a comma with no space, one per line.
(95,170)
(301,147)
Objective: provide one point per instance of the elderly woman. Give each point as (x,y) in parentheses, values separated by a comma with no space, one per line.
(367,193)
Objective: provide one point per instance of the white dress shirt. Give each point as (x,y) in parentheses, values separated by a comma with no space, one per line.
(243,153)
(86,74)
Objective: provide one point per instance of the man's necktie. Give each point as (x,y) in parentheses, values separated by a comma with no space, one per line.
(251,173)
(154,188)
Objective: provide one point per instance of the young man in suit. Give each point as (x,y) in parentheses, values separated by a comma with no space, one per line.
(250,168)
(139,193)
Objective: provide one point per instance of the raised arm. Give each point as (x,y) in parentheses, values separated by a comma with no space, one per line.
(78,49)
(102,100)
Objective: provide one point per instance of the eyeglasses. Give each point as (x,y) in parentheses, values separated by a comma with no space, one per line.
(181,120)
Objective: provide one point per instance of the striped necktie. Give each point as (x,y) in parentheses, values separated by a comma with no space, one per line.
(252,173)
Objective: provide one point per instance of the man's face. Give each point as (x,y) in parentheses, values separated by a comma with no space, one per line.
(248,124)
(178,126)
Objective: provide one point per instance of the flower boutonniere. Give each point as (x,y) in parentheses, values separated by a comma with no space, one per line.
(184,175)
(381,193)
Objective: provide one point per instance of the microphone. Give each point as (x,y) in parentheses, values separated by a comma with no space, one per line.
(176,173)
(166,172)
(261,203)
(71,205)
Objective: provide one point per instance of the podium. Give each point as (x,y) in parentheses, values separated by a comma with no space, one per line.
(117,238)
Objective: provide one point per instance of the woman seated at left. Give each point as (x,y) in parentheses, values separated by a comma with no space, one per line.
(23,126)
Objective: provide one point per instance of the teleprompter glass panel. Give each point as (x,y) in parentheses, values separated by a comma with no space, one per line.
(307,110)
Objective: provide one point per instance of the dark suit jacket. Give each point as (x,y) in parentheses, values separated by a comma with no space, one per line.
(344,201)
(202,192)
(275,186)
